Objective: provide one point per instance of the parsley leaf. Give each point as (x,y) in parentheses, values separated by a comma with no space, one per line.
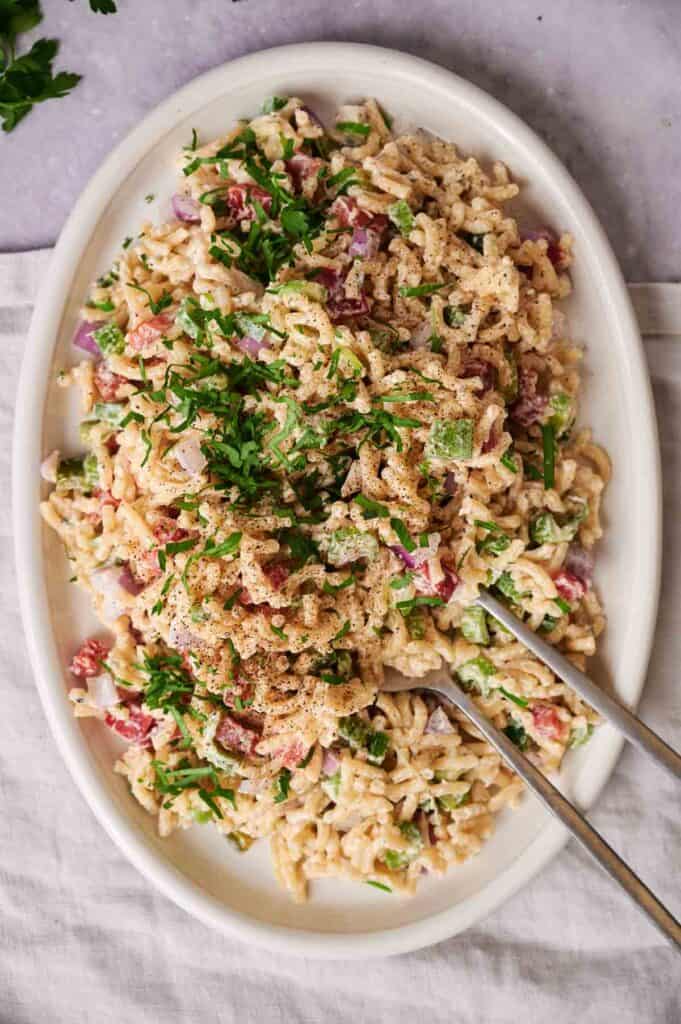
(27,80)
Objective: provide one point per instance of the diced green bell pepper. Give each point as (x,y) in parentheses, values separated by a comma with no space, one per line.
(450,439)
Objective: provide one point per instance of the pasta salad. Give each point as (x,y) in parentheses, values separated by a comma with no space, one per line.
(323,404)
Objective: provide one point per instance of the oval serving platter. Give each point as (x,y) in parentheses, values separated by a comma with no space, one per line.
(237,893)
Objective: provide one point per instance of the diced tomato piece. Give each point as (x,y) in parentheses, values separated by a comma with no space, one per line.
(108,383)
(87,661)
(569,586)
(148,332)
(301,167)
(235,736)
(547,721)
(135,728)
(240,199)
(292,755)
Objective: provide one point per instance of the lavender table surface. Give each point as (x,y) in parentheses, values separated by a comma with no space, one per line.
(598,81)
(82,936)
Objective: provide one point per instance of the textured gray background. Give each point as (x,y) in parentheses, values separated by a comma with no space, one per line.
(598,79)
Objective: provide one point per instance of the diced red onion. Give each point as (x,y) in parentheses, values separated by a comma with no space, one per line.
(553,250)
(438,722)
(330,762)
(420,555)
(106,583)
(249,786)
(129,583)
(444,587)
(537,235)
(559,325)
(338,304)
(313,117)
(530,406)
(491,440)
(365,243)
(482,369)
(402,553)
(580,562)
(186,208)
(48,467)
(252,346)
(188,453)
(181,638)
(423,554)
(84,340)
(102,691)
(301,167)
(421,334)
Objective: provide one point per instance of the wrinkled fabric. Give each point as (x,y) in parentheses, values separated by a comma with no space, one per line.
(84,938)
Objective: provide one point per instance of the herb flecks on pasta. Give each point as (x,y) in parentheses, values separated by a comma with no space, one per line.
(322,405)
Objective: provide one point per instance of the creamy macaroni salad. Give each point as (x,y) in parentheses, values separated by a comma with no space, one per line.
(323,404)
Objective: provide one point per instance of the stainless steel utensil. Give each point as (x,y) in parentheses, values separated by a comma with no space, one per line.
(440,682)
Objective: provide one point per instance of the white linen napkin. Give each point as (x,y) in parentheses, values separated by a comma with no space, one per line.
(84,938)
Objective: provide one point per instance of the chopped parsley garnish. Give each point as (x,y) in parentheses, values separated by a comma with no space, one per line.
(281,786)
(475,241)
(168,683)
(353,128)
(274,103)
(155,305)
(334,588)
(516,734)
(418,602)
(549,450)
(520,701)
(509,462)
(403,534)
(371,509)
(421,289)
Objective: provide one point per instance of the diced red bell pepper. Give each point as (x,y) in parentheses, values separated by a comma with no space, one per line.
(87,661)
(235,736)
(569,586)
(240,199)
(148,332)
(547,721)
(135,728)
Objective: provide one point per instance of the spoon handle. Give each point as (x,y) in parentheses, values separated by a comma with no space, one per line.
(589,838)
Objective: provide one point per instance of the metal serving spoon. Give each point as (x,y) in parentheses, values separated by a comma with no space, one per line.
(440,682)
